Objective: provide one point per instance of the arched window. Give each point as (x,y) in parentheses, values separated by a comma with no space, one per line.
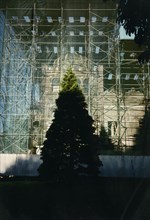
(55,84)
(79,82)
(85,85)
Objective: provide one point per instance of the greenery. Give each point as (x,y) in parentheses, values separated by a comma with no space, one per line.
(142,138)
(105,199)
(70,147)
(135,17)
(105,141)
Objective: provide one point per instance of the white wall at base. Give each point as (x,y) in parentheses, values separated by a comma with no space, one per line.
(113,166)
(125,166)
(19,164)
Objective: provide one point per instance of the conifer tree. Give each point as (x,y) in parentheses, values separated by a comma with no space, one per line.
(70,145)
(142,138)
(106,143)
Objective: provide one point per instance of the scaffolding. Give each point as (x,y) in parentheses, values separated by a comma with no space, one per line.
(39,41)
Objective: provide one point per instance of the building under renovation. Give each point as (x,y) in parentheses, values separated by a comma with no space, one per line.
(39,41)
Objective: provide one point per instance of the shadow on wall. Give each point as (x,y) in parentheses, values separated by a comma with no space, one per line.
(113,166)
(125,166)
(19,165)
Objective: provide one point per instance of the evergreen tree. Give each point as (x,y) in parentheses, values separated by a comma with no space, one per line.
(105,141)
(142,138)
(70,145)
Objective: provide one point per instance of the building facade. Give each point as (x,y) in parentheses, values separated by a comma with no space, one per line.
(39,41)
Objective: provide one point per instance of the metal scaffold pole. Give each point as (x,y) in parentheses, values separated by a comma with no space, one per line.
(148,89)
(118,93)
(40,41)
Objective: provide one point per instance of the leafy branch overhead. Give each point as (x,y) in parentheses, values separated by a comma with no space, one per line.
(134,15)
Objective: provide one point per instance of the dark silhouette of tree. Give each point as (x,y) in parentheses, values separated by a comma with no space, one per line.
(105,141)
(70,145)
(142,138)
(135,17)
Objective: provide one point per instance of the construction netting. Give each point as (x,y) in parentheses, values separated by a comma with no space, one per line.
(39,40)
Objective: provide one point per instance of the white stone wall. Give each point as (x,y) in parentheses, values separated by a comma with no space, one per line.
(113,166)
(19,164)
(125,166)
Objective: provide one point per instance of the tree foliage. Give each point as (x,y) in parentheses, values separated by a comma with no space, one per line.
(142,138)
(135,17)
(106,143)
(70,145)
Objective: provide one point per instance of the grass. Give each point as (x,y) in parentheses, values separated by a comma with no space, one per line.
(106,198)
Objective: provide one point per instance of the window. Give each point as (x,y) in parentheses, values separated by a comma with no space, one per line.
(104,19)
(93,19)
(82,19)
(55,85)
(110,76)
(55,50)
(71,19)
(97,50)
(71,33)
(81,33)
(71,49)
(85,85)
(49,19)
(80,49)
(27,19)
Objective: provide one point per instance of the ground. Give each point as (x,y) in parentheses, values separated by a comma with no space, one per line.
(102,199)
